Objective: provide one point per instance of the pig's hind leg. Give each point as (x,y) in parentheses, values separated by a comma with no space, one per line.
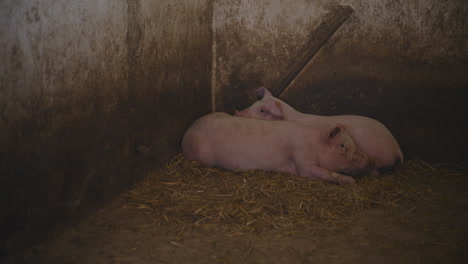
(317,172)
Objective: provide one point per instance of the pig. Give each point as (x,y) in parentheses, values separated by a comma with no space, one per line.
(307,149)
(369,135)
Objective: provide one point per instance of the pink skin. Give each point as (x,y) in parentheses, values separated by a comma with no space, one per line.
(306,149)
(370,136)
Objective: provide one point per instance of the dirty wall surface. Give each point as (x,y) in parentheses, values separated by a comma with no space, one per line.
(400,62)
(92,94)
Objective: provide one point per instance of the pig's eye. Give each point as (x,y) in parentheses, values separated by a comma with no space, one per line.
(261,110)
(342,145)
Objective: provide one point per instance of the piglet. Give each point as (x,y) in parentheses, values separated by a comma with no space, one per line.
(303,148)
(370,136)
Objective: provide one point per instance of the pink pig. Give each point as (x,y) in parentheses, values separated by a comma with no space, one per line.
(370,136)
(306,149)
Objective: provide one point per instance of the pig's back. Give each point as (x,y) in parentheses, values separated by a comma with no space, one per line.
(237,143)
(195,143)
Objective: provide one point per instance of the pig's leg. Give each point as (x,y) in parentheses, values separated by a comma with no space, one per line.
(318,172)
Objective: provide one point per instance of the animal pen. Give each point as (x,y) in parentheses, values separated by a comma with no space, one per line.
(95,97)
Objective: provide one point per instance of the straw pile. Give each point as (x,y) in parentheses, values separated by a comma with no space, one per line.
(188,194)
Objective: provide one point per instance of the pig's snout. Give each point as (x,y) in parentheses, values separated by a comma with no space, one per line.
(370,165)
(364,162)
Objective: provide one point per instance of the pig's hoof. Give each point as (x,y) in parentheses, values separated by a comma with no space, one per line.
(341,179)
(346,180)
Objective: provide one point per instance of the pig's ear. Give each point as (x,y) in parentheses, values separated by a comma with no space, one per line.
(274,108)
(334,132)
(263,92)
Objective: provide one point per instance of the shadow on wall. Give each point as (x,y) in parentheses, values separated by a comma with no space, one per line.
(81,81)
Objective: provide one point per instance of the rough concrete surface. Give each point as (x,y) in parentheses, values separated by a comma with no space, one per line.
(92,94)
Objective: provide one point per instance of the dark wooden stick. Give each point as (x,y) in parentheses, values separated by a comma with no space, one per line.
(332,21)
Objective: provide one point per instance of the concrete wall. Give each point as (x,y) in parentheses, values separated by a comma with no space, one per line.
(92,95)
(401,62)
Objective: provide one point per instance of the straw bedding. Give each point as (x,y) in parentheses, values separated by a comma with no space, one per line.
(188,194)
(191,213)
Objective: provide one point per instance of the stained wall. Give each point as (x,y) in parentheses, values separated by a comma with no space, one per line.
(93,94)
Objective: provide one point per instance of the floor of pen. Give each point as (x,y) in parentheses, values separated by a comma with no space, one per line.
(191,213)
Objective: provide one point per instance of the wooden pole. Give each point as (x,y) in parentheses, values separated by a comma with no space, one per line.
(318,38)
